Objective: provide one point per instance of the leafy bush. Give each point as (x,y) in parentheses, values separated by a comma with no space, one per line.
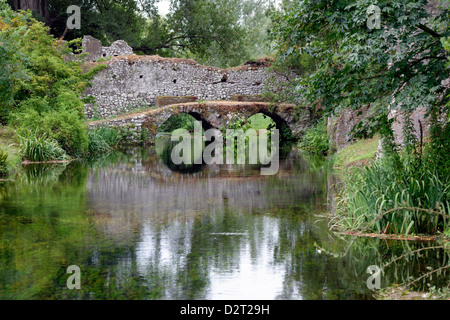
(64,126)
(102,140)
(37,148)
(67,128)
(316,140)
(3,163)
(39,90)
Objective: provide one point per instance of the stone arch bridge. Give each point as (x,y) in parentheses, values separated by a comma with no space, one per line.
(143,126)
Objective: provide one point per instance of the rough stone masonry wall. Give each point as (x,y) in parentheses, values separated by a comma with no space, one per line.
(143,127)
(130,82)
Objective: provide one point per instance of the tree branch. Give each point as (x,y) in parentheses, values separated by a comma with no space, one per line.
(429,31)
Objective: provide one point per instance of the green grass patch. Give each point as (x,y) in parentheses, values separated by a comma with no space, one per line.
(356,154)
(103,140)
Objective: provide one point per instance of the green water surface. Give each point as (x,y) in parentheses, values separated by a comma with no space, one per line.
(140,229)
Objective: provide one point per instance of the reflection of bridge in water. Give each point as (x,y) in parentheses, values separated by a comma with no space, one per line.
(161,191)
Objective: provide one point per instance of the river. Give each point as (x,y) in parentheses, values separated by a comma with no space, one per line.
(139,228)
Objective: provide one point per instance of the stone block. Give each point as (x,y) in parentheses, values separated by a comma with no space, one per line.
(93,47)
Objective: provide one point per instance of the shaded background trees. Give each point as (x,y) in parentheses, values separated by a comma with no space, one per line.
(217,32)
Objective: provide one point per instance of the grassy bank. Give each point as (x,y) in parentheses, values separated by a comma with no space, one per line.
(401,197)
(357,154)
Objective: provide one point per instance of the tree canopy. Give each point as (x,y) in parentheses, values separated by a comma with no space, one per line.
(218,32)
(402,64)
(40,91)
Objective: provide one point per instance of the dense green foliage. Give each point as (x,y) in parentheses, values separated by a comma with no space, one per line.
(64,126)
(405,191)
(215,32)
(41,92)
(401,64)
(316,140)
(383,200)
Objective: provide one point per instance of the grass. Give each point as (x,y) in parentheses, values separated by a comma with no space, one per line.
(36,148)
(404,192)
(10,143)
(316,140)
(356,154)
(103,140)
(376,199)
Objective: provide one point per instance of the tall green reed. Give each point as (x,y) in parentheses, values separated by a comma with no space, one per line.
(405,192)
(40,148)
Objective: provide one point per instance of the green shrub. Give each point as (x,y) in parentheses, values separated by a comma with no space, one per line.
(315,140)
(64,126)
(39,148)
(103,140)
(3,162)
(39,90)
(69,130)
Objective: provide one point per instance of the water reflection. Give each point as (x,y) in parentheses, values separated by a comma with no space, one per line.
(139,230)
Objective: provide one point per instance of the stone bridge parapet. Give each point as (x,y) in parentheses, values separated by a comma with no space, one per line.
(213,114)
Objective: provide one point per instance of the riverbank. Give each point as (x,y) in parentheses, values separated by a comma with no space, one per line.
(346,163)
(398,292)
(358,154)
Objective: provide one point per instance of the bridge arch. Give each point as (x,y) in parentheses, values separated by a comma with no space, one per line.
(216,114)
(177,119)
(280,124)
(219,114)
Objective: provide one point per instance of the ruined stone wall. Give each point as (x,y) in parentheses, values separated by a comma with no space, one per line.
(130,82)
(340,127)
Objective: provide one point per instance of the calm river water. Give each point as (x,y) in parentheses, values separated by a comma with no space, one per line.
(140,228)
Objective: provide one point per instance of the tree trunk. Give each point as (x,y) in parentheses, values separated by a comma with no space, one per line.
(38,6)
